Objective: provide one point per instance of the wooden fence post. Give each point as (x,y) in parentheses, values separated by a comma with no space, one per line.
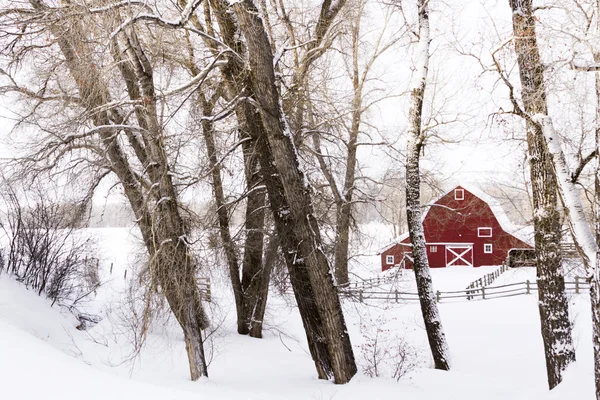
(438,296)
(360,295)
(125,275)
(396,295)
(528,286)
(483,292)
(111,267)
(577,284)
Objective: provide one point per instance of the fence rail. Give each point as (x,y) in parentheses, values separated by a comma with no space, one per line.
(372,282)
(578,286)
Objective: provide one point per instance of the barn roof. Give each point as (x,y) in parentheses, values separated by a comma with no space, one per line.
(394,242)
(523,233)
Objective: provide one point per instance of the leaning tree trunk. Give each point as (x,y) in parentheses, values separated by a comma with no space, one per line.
(429,309)
(163,230)
(553,304)
(332,334)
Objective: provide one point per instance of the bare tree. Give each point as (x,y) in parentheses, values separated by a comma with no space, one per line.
(125,136)
(351,126)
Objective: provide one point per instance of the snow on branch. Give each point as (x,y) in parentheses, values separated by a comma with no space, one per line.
(124,3)
(569,194)
(186,14)
(199,78)
(587,66)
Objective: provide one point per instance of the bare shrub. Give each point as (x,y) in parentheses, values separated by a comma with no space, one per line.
(384,352)
(44,250)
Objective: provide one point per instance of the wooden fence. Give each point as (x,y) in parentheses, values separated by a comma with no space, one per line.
(579,285)
(372,282)
(487,279)
(204,284)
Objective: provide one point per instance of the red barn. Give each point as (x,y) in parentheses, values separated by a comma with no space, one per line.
(461,229)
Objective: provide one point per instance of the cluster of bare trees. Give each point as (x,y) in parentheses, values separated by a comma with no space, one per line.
(131,90)
(113,81)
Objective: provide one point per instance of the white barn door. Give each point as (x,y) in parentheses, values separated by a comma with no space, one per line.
(459,255)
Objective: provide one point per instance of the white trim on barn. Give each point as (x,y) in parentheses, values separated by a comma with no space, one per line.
(458,253)
(480,234)
(449,243)
(459,194)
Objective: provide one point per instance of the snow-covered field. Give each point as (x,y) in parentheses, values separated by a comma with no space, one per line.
(496,347)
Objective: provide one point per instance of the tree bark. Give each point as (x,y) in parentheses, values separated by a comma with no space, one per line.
(553,304)
(277,143)
(427,299)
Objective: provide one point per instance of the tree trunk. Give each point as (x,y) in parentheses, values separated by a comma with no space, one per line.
(258,314)
(307,248)
(595,282)
(553,304)
(163,231)
(429,309)
(223,213)
(344,211)
(255,274)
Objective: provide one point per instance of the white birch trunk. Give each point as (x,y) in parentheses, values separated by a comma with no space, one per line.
(429,309)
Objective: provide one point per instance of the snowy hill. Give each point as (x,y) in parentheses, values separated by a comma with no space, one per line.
(496,346)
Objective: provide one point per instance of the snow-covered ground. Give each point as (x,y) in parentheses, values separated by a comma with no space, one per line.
(496,347)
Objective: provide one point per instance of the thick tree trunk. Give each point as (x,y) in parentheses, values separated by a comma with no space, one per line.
(340,363)
(429,309)
(553,304)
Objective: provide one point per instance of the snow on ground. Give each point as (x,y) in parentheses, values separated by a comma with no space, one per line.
(496,347)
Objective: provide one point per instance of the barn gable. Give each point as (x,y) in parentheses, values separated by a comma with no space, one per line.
(461,229)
